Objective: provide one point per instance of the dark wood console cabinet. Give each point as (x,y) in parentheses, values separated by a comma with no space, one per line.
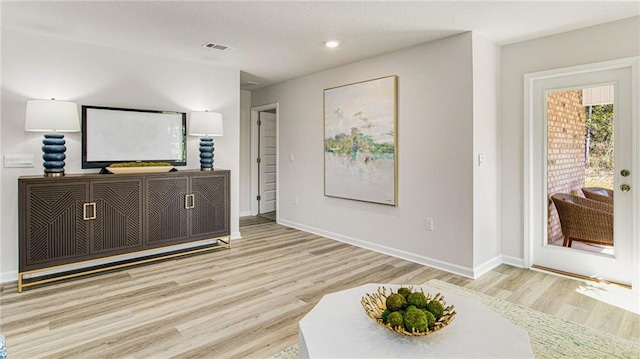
(66,221)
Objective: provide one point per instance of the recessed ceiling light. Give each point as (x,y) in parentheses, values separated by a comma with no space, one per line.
(332,43)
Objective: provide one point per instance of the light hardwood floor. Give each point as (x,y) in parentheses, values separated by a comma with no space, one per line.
(245,302)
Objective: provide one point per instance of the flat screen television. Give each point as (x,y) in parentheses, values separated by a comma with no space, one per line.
(112,135)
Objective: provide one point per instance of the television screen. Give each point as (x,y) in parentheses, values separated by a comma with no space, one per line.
(111,135)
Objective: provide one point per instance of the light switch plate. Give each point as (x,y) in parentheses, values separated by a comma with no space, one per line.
(481,159)
(18,160)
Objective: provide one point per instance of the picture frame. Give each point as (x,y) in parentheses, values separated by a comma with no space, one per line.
(361,141)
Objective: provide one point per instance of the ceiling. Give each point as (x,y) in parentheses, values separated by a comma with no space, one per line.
(278,41)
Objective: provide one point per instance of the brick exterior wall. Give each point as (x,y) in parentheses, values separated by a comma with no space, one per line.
(566,142)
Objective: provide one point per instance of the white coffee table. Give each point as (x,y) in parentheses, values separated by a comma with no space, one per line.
(338,327)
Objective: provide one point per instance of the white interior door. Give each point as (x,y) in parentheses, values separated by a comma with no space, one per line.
(618,264)
(267,163)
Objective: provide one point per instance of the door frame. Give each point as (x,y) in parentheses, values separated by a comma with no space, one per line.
(529,172)
(255,180)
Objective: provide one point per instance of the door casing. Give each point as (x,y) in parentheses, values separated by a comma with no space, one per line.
(267,124)
(633,63)
(255,116)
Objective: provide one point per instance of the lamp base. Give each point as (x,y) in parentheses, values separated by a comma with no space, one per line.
(206,154)
(50,174)
(53,154)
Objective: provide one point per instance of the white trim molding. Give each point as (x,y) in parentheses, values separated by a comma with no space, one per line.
(529,172)
(8,277)
(255,114)
(486,267)
(430,262)
(512,261)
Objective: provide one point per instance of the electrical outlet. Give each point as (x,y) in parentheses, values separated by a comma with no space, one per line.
(295,200)
(428,224)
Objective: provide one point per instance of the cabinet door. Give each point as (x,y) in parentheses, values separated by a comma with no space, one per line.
(53,231)
(166,215)
(117,227)
(210,208)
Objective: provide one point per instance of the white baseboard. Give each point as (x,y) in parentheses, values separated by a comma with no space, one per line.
(513,261)
(236,235)
(411,257)
(245,214)
(9,276)
(486,267)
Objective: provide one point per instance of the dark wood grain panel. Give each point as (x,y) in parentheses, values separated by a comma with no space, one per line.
(166,215)
(118,223)
(56,231)
(210,215)
(83,218)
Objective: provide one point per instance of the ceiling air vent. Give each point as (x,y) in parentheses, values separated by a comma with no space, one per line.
(211,45)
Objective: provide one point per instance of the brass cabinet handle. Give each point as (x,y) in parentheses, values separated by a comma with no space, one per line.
(186,201)
(95,211)
(625,188)
(84,211)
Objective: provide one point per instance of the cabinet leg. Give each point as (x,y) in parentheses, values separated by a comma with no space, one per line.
(20,277)
(227,242)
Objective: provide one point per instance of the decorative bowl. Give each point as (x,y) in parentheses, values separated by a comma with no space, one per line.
(376,303)
(142,169)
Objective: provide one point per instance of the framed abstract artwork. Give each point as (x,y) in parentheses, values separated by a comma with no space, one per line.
(361,141)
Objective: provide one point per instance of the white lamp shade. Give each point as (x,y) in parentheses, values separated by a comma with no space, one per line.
(205,124)
(52,116)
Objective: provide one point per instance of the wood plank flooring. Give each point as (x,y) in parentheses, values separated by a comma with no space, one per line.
(245,302)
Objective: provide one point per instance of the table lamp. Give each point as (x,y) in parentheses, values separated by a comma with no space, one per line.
(206,125)
(53,117)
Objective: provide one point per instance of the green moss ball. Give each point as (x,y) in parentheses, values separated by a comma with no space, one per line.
(396,302)
(431,320)
(385,314)
(404,291)
(417,299)
(415,319)
(436,308)
(395,319)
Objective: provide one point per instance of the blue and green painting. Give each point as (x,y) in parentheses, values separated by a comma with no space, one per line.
(359,141)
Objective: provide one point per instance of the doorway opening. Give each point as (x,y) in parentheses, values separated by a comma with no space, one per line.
(264,158)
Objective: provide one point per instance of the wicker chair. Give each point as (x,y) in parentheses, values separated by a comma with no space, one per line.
(584,220)
(598,194)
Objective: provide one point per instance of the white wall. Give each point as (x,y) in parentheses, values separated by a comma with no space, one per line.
(435,124)
(35,67)
(486,82)
(599,43)
(245,153)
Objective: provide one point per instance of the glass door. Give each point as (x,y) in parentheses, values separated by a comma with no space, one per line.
(582,169)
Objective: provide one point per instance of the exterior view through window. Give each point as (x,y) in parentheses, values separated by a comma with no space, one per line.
(580,169)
